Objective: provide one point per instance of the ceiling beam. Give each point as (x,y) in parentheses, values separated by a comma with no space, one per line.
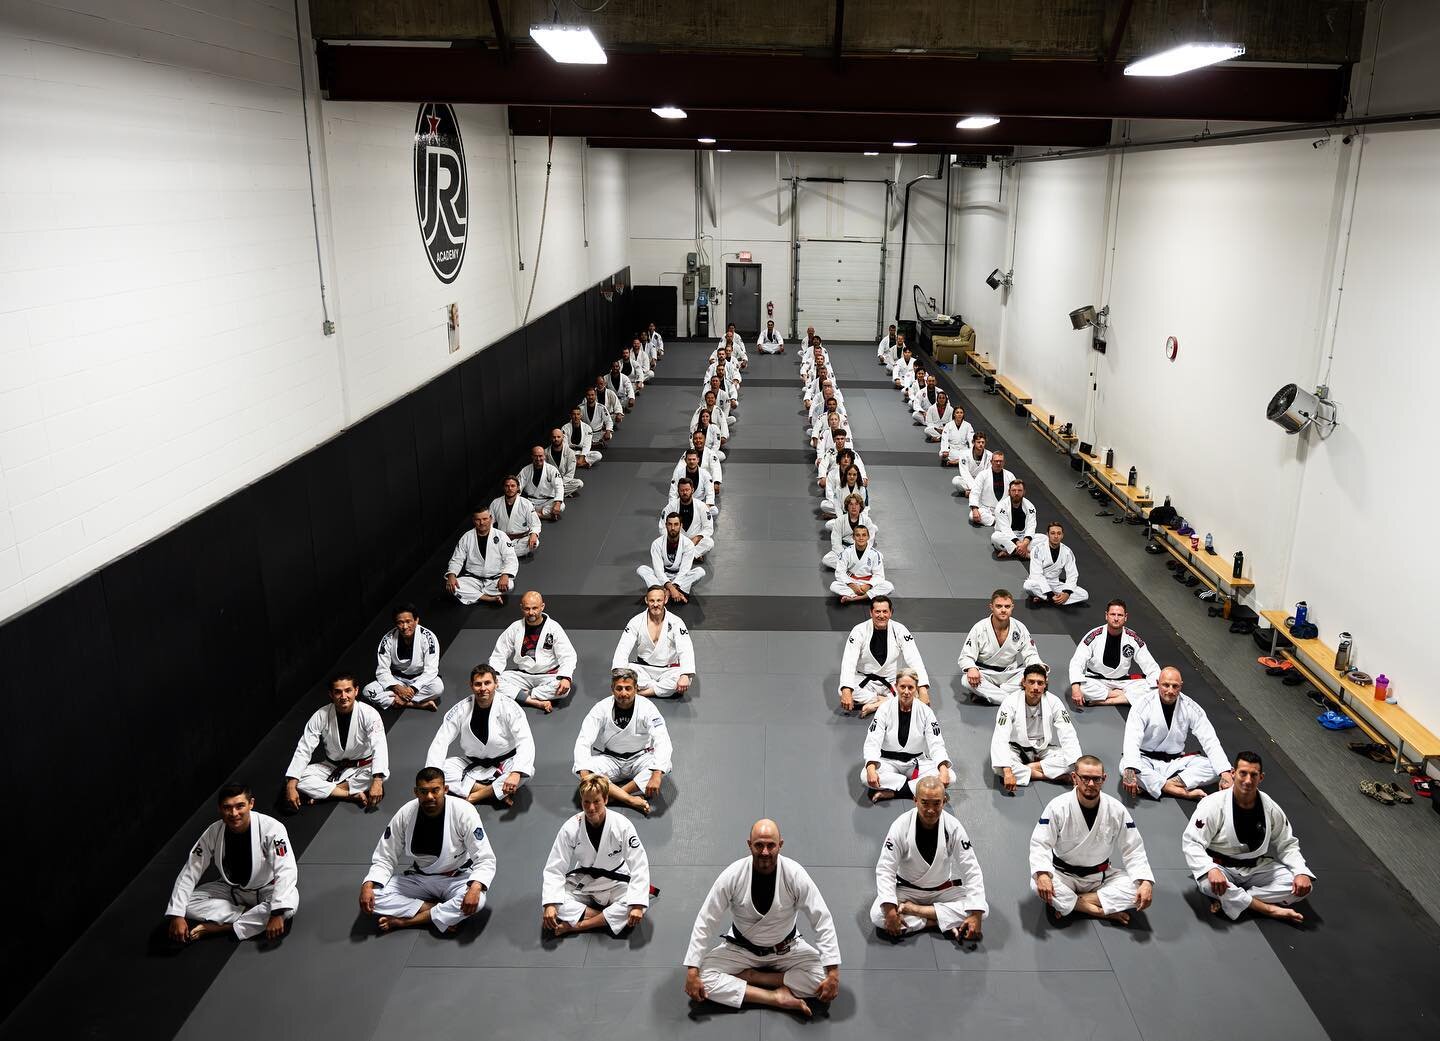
(497,22)
(838,47)
(1121,23)
(751,82)
(797,146)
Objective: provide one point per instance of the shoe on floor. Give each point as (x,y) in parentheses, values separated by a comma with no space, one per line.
(1377,793)
(1397,793)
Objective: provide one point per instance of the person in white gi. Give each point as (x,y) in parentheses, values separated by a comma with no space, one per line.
(903,744)
(672,563)
(623,738)
(723,401)
(956,436)
(484,564)
(996,650)
(597,873)
(842,529)
(597,415)
(657,646)
(902,373)
(1054,576)
(770,341)
(885,349)
(927,875)
(860,572)
(581,438)
(706,490)
(971,465)
(719,417)
(844,480)
(356,760)
(1242,852)
(1104,660)
(1014,529)
(1156,733)
(1034,737)
(516,518)
(707,458)
(762,959)
(257,891)
(654,344)
(924,398)
(709,433)
(619,384)
(635,365)
(696,524)
(876,651)
(451,863)
(497,752)
(407,665)
(561,456)
(1086,854)
(542,484)
(987,490)
(534,658)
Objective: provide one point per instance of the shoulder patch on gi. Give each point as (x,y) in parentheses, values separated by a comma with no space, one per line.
(935,729)
(684,631)
(966,844)
(1064,715)
(479,833)
(387,831)
(1044,820)
(1200,825)
(279,846)
(874,726)
(1127,650)
(889,844)
(909,637)
(1134,636)
(198,851)
(1002,719)
(1129,824)
(634,841)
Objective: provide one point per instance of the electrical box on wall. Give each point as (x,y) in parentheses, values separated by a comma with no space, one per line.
(687,289)
(691,261)
(704,271)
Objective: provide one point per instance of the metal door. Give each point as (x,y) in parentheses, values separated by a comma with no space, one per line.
(742,298)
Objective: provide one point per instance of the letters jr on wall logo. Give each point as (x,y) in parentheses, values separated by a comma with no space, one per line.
(442,197)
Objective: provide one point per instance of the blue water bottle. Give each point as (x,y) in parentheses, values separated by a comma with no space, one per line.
(1302,611)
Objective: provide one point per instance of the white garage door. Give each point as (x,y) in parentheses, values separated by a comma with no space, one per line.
(838,287)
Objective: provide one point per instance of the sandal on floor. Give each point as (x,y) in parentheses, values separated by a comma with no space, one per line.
(1275,666)
(1397,793)
(1379,754)
(1376,792)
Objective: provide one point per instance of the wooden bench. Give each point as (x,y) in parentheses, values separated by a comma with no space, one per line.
(1215,570)
(1114,484)
(1383,723)
(1010,392)
(1040,420)
(980,363)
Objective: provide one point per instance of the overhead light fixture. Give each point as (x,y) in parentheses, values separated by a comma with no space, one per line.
(669,112)
(977,122)
(902,144)
(1295,410)
(706,140)
(1185,58)
(569,44)
(998,278)
(1087,316)
(722,151)
(870,153)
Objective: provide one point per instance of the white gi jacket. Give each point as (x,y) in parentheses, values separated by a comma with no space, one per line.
(923,398)
(882,740)
(611,400)
(836,493)
(719,420)
(700,521)
(499,558)
(1088,661)
(795,892)
(520,519)
(842,534)
(983,651)
(1063,835)
(982,489)
(645,732)
(1145,731)
(509,736)
(554,654)
(464,849)
(598,418)
(673,648)
(575,867)
(901,651)
(620,386)
(419,670)
(549,486)
(869,568)
(1012,523)
(1212,829)
(956,441)
(885,349)
(1048,567)
(365,740)
(973,467)
(657,343)
(666,568)
(565,463)
(954,866)
(1010,729)
(272,863)
(769,338)
(708,464)
(580,442)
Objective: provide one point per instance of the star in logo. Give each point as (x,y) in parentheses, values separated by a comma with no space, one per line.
(434,122)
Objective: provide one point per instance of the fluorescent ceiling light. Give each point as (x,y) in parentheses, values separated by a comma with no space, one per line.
(569,44)
(1186,57)
(722,150)
(872,153)
(902,144)
(706,140)
(669,112)
(977,122)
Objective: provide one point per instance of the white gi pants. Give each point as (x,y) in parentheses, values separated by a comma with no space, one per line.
(705,545)
(592,456)
(402,896)
(962,482)
(1269,881)
(987,517)
(882,588)
(870,688)
(831,559)
(383,697)
(1042,588)
(463,773)
(950,913)
(521,685)
(1052,763)
(1115,889)
(1193,770)
(241,909)
(318,780)
(619,770)
(469,588)
(684,579)
(896,774)
(1093,689)
(663,679)
(770,348)
(801,966)
(1006,541)
(611,901)
(521,544)
(547,508)
(994,686)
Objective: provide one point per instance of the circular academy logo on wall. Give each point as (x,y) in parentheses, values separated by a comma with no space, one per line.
(442,196)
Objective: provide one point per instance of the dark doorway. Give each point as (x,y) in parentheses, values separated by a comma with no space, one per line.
(742,298)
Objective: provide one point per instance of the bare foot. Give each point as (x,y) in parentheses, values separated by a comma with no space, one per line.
(881,796)
(1078,700)
(387,924)
(541,704)
(785,999)
(643,806)
(1286,914)
(1214,906)
(433,705)
(202,930)
(1121,917)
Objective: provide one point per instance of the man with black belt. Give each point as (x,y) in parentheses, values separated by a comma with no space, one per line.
(875,651)
(483,565)
(1014,530)
(1242,852)
(407,665)
(1156,732)
(1086,854)
(770,341)
(996,649)
(762,959)
(452,865)
(927,875)
(1034,738)
(534,657)
(356,760)
(597,873)
(516,518)
(903,744)
(1054,576)
(1105,659)
(497,753)
(625,741)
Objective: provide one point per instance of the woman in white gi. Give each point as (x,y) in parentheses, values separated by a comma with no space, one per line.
(876,651)
(537,658)
(1241,850)
(484,565)
(718,422)
(927,874)
(955,438)
(1054,576)
(516,517)
(1034,738)
(1104,659)
(860,574)
(903,744)
(672,563)
(763,896)
(996,649)
(451,863)
(1156,732)
(356,760)
(704,425)
(1086,854)
(657,646)
(842,529)
(257,891)
(497,752)
(843,481)
(407,665)
(597,873)
(625,740)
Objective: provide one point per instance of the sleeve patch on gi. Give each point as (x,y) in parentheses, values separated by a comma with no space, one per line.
(199,850)
(1044,820)
(890,844)
(1129,824)
(874,727)
(1199,825)
(279,847)
(634,841)
(479,834)
(935,729)
(1002,719)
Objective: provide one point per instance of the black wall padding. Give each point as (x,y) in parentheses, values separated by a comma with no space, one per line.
(646,304)
(143,685)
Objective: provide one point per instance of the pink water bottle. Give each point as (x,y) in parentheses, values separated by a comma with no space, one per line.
(1382,686)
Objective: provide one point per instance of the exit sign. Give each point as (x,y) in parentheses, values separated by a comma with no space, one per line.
(744,255)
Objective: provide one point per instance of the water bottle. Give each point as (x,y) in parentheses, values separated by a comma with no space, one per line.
(1147,493)
(1133,478)
(1109,458)
(1239,570)
(1382,687)
(1167,499)
(1345,654)
(1209,543)
(1302,612)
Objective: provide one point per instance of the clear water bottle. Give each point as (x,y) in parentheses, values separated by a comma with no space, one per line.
(1345,653)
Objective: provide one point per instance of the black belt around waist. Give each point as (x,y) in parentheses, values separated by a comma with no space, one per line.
(348,764)
(1080,871)
(477,761)
(1165,757)
(1225,860)
(595,872)
(985,665)
(734,936)
(1027,754)
(625,756)
(899,757)
(415,869)
(954,883)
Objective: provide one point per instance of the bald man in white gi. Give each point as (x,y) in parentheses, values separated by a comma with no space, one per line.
(624,739)
(1156,734)
(995,652)
(903,744)
(988,490)
(534,657)
(762,959)
(928,875)
(1054,577)
(875,652)
(597,874)
(407,665)
(1106,657)
(516,517)
(1034,738)
(657,645)
(560,455)
(860,571)
(1014,530)
(484,565)
(542,484)
(356,757)
(497,751)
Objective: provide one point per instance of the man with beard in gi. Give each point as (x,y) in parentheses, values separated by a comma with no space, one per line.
(565,460)
(1104,659)
(927,875)
(860,571)
(1014,529)
(770,341)
(842,529)
(706,490)
(696,523)
(925,397)
(903,744)
(719,420)
(996,650)
(1156,731)
(597,416)
(658,647)
(1034,737)
(516,518)
(534,657)
(597,873)
(672,563)
(484,564)
(625,740)
(988,490)
(542,484)
(356,760)
(1054,576)
(1086,854)
(497,753)
(956,437)
(972,465)
(762,959)
(452,865)
(706,459)
(875,651)
(1241,850)
(885,349)
(610,400)
(619,384)
(257,889)
(580,436)
(407,665)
